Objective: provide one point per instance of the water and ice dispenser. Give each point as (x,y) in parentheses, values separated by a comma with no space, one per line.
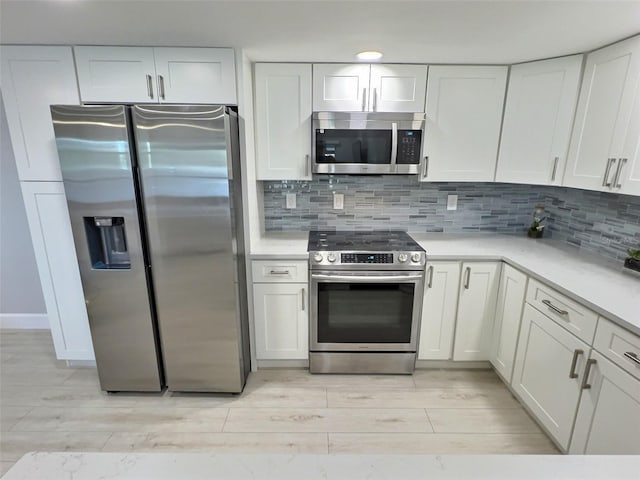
(107,240)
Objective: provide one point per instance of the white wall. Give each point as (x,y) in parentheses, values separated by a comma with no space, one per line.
(20,291)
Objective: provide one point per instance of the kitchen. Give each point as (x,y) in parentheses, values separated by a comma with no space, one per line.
(468,214)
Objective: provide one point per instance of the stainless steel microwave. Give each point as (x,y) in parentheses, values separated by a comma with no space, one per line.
(367,142)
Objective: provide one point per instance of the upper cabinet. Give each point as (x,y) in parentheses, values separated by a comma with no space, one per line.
(464,113)
(32,79)
(369,88)
(541,102)
(283,121)
(604,153)
(152,75)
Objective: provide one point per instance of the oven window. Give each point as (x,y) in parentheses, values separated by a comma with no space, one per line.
(353,146)
(365,312)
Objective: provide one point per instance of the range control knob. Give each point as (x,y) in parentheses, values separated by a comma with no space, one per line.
(415,257)
(317,258)
(331,257)
(402,257)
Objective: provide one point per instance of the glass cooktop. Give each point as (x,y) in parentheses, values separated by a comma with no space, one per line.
(372,241)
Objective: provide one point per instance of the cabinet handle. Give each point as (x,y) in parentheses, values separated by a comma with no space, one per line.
(425,167)
(306,165)
(554,308)
(587,371)
(161,86)
(279,272)
(616,182)
(375,99)
(364,98)
(605,182)
(555,168)
(430,281)
(150,86)
(572,371)
(633,357)
(467,275)
(303,299)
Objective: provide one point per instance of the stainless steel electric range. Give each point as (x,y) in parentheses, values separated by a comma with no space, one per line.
(366,301)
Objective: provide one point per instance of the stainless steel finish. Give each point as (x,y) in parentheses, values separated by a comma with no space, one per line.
(430,276)
(372,276)
(150,86)
(364,99)
(555,167)
(467,277)
(320,261)
(307,160)
(572,371)
(303,292)
(190,184)
(279,272)
(394,142)
(554,308)
(425,169)
(633,357)
(161,87)
(616,182)
(378,363)
(605,180)
(94,152)
(375,99)
(587,370)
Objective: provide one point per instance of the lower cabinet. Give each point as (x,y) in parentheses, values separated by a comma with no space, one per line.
(281,321)
(513,288)
(548,371)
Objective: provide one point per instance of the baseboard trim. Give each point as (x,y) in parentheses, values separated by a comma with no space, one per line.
(450,364)
(283,363)
(27,321)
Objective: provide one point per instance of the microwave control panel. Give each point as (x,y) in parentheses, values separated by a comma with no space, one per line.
(409,142)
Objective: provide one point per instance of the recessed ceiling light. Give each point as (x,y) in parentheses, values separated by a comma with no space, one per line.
(369,55)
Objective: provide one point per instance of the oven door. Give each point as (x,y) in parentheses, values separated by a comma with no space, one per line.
(365,311)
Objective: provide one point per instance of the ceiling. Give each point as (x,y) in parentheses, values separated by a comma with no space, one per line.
(319,30)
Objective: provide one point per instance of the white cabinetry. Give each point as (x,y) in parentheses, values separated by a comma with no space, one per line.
(439,309)
(538,116)
(369,88)
(513,287)
(283,121)
(152,75)
(32,79)
(604,153)
(476,310)
(464,113)
(280,310)
(48,218)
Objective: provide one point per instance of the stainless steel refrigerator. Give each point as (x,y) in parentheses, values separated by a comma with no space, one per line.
(154,199)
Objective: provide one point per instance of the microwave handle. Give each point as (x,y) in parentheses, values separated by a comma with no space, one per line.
(394,143)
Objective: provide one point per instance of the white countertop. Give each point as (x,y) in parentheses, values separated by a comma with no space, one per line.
(592,280)
(201,466)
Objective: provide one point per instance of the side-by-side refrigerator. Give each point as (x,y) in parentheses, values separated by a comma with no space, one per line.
(154,199)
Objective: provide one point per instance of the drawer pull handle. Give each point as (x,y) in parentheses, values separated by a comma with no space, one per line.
(467,277)
(587,371)
(576,354)
(633,357)
(279,272)
(554,308)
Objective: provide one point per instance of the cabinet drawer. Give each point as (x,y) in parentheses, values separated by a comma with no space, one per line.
(279,271)
(618,345)
(568,313)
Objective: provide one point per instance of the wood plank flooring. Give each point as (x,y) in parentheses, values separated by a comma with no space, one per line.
(46,406)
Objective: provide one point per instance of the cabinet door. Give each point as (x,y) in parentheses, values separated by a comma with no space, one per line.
(32,79)
(281,321)
(439,308)
(48,218)
(196,75)
(397,88)
(340,87)
(608,419)
(541,102)
(606,124)
(513,288)
(283,121)
(116,74)
(464,113)
(541,375)
(476,310)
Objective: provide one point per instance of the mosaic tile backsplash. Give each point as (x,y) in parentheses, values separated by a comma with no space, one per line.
(605,223)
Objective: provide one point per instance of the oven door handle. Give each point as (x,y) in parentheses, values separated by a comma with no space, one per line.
(367,278)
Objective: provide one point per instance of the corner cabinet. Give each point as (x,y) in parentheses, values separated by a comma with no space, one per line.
(283,121)
(538,116)
(156,75)
(604,153)
(464,114)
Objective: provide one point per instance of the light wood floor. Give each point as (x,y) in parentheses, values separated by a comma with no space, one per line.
(46,406)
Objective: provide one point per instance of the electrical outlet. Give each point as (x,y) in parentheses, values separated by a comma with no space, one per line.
(452,202)
(291,200)
(338,201)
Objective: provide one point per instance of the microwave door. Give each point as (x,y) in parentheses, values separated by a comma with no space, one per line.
(353,151)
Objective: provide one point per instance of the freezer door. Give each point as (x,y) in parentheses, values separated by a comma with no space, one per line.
(93,147)
(183,158)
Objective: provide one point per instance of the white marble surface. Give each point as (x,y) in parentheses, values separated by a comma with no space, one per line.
(165,466)
(593,281)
